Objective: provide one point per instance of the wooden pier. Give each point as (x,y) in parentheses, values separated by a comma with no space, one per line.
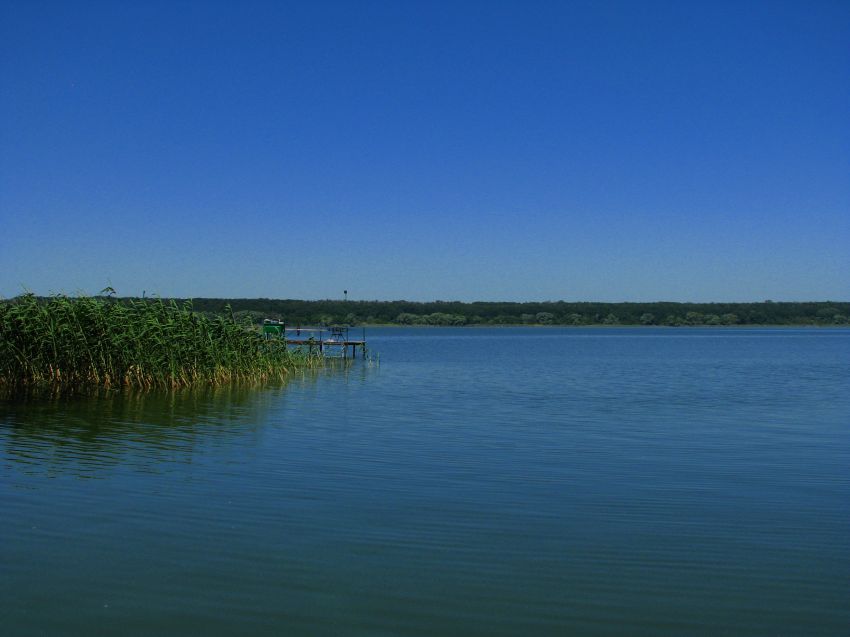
(332,339)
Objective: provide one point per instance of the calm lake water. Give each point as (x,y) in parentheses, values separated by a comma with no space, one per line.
(476,482)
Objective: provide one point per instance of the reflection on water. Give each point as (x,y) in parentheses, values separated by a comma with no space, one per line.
(86,434)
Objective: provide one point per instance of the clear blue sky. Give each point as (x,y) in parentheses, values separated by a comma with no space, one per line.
(427,150)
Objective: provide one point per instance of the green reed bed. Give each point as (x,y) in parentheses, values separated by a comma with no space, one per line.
(83,342)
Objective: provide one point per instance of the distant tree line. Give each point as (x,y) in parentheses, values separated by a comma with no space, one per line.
(327,312)
(339,312)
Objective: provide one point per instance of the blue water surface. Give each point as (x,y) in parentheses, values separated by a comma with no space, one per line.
(474,481)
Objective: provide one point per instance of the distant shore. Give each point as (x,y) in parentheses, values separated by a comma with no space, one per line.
(507,313)
(603,327)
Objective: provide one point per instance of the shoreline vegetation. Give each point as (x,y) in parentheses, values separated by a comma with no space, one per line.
(446,313)
(79,343)
(64,343)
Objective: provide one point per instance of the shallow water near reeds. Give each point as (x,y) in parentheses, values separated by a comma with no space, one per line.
(477,482)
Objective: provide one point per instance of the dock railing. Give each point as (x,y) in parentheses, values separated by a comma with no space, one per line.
(326,340)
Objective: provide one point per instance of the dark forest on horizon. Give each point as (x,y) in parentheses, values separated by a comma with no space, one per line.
(298,312)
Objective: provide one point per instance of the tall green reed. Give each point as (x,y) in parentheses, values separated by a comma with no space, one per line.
(84,342)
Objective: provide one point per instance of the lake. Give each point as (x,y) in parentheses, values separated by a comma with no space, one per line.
(506,481)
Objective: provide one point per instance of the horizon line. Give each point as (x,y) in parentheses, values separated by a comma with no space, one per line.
(346,300)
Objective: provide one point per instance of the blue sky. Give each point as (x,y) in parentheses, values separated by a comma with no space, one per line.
(616,151)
